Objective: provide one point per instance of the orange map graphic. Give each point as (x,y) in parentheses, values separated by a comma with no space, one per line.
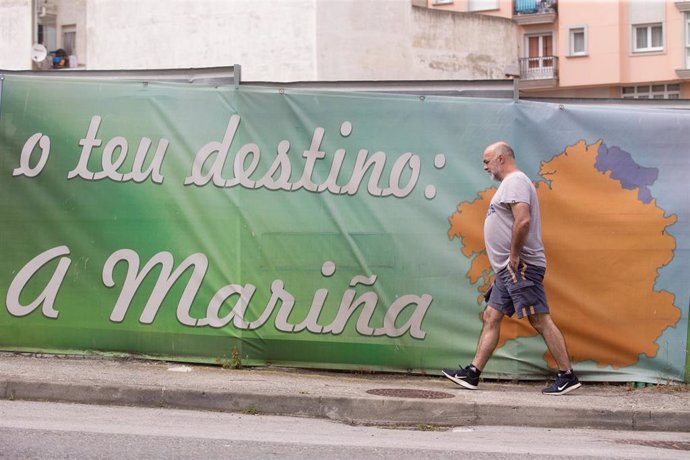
(604,248)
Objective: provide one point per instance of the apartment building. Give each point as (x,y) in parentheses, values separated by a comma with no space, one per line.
(595,48)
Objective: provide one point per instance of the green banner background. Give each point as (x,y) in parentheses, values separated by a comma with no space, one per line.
(303,243)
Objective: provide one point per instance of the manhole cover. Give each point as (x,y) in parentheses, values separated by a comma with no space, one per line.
(676,445)
(408,393)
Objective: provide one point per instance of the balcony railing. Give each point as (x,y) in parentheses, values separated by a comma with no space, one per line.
(535,6)
(529,12)
(539,68)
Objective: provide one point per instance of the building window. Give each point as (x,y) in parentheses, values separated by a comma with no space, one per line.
(578,41)
(538,61)
(69,39)
(660,91)
(648,37)
(540,50)
(47,36)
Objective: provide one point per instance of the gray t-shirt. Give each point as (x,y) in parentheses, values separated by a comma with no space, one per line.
(498,225)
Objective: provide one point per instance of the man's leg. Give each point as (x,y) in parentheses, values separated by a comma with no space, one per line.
(468,377)
(555,342)
(566,381)
(488,339)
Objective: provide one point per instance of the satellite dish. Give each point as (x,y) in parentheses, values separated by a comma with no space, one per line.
(38,52)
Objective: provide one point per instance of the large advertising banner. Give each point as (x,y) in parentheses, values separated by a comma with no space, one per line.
(335,230)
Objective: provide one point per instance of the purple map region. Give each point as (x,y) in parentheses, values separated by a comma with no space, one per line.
(624,169)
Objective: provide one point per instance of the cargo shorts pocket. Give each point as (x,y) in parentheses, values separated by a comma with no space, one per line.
(522,291)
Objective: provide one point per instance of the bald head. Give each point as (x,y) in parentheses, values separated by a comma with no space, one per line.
(499,160)
(501,148)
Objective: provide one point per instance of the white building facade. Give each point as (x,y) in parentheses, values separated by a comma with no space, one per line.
(16,35)
(273,40)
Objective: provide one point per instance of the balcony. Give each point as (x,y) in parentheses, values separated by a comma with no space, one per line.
(538,72)
(529,12)
(683,5)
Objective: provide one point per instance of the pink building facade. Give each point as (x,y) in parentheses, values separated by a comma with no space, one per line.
(599,49)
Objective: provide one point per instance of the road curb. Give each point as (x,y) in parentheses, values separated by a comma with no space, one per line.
(384,411)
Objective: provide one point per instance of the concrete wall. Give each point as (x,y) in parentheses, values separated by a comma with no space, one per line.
(462,45)
(360,39)
(273,40)
(15,34)
(280,40)
(291,40)
(391,40)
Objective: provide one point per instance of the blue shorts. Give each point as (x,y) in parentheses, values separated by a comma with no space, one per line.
(520,292)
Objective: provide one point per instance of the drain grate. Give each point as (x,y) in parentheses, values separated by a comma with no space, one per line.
(675,445)
(409,393)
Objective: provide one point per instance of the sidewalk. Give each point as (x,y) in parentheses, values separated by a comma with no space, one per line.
(380,399)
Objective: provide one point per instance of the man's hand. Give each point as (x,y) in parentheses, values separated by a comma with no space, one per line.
(514,263)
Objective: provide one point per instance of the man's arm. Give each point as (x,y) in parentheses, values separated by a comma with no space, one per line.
(521,225)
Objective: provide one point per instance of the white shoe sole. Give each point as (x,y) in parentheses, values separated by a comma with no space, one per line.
(461,382)
(566,391)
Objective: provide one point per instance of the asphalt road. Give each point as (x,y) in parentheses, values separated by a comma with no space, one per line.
(56,430)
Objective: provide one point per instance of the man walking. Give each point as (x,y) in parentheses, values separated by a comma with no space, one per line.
(512,234)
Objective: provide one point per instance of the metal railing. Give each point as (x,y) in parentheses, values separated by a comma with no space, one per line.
(535,6)
(538,68)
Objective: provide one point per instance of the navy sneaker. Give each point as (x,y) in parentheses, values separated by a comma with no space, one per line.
(464,377)
(565,383)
